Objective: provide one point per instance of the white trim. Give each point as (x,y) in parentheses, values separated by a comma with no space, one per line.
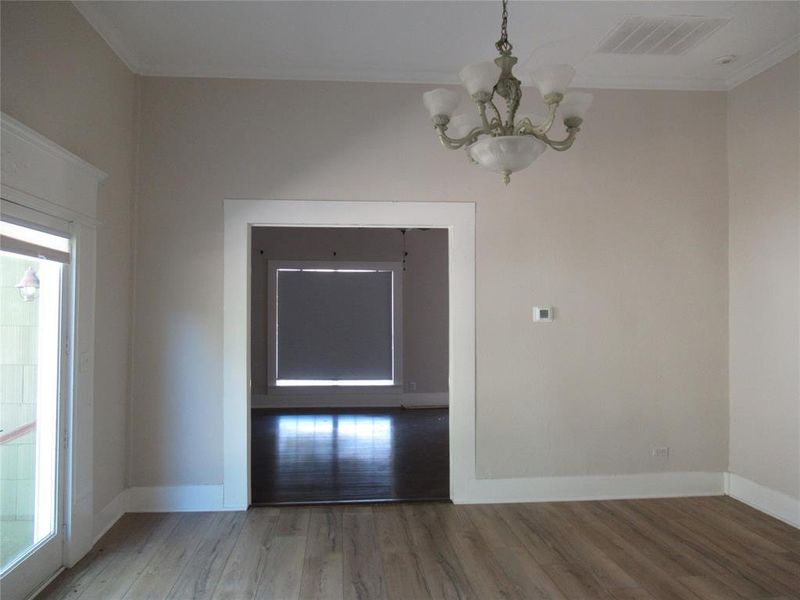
(106,29)
(241,215)
(765,61)
(10,126)
(672,84)
(350,399)
(177,498)
(420,77)
(769,501)
(110,514)
(194,498)
(419,399)
(47,582)
(593,487)
(41,176)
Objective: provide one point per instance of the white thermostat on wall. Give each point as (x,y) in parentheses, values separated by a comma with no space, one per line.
(542,313)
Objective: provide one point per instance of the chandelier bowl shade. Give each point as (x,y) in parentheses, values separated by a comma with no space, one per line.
(506,154)
(440,102)
(480,77)
(575,105)
(553,79)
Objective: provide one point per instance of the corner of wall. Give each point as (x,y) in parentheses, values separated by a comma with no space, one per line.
(134,227)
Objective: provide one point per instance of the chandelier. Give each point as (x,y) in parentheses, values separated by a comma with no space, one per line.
(506,145)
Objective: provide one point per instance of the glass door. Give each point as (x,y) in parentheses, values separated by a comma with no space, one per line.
(34,268)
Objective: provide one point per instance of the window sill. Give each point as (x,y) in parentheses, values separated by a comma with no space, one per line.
(332,390)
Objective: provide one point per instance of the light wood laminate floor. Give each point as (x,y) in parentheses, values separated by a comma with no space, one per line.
(684,548)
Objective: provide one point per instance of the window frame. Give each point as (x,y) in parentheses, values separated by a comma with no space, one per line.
(273,266)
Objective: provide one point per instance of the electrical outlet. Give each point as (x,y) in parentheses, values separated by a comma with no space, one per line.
(661,451)
(412,386)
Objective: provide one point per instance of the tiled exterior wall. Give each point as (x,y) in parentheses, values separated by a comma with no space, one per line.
(18,341)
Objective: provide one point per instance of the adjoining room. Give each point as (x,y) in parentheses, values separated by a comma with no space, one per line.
(349,365)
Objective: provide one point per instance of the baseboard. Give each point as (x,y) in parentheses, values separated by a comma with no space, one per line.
(350,400)
(47,582)
(192,498)
(592,487)
(769,501)
(420,399)
(110,514)
(181,498)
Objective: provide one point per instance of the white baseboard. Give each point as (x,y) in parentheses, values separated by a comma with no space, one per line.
(774,503)
(419,399)
(592,487)
(181,498)
(350,400)
(110,514)
(483,491)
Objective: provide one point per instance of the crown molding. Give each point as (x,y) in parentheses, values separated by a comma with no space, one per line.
(677,84)
(422,77)
(765,61)
(110,34)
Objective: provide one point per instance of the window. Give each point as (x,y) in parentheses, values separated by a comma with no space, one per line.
(335,324)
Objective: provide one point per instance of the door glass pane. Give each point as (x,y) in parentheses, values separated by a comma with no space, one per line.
(30,324)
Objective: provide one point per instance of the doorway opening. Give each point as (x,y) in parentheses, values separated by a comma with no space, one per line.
(349,363)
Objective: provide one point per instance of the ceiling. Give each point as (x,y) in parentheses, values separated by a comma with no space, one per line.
(429,42)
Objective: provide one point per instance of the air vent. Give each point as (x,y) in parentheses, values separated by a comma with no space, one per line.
(658,35)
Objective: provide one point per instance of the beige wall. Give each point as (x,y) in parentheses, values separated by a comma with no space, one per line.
(626,235)
(764,174)
(61,79)
(425,327)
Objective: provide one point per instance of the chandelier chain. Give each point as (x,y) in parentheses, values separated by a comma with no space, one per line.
(503,46)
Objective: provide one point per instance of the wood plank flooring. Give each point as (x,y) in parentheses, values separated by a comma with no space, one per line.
(680,548)
(349,455)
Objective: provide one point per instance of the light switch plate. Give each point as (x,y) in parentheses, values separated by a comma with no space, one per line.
(542,313)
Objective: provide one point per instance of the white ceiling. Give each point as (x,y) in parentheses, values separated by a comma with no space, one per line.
(426,41)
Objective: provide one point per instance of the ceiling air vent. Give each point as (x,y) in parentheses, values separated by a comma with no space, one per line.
(658,35)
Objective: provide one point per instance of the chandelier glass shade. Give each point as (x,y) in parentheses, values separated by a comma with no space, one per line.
(501,142)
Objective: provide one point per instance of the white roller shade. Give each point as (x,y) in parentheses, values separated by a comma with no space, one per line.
(334,325)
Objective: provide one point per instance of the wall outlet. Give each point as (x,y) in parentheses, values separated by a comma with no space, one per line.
(412,386)
(661,451)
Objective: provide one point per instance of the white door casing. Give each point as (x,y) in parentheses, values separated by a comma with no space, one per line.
(241,215)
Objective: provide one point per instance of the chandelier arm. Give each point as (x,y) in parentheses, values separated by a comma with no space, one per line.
(526,126)
(561,145)
(456,143)
(545,126)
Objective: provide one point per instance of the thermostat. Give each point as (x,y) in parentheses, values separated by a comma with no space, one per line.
(542,313)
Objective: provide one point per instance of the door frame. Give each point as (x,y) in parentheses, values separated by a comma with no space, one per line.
(46,556)
(41,176)
(242,215)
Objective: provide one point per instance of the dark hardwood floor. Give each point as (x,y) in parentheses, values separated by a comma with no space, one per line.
(679,548)
(349,455)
